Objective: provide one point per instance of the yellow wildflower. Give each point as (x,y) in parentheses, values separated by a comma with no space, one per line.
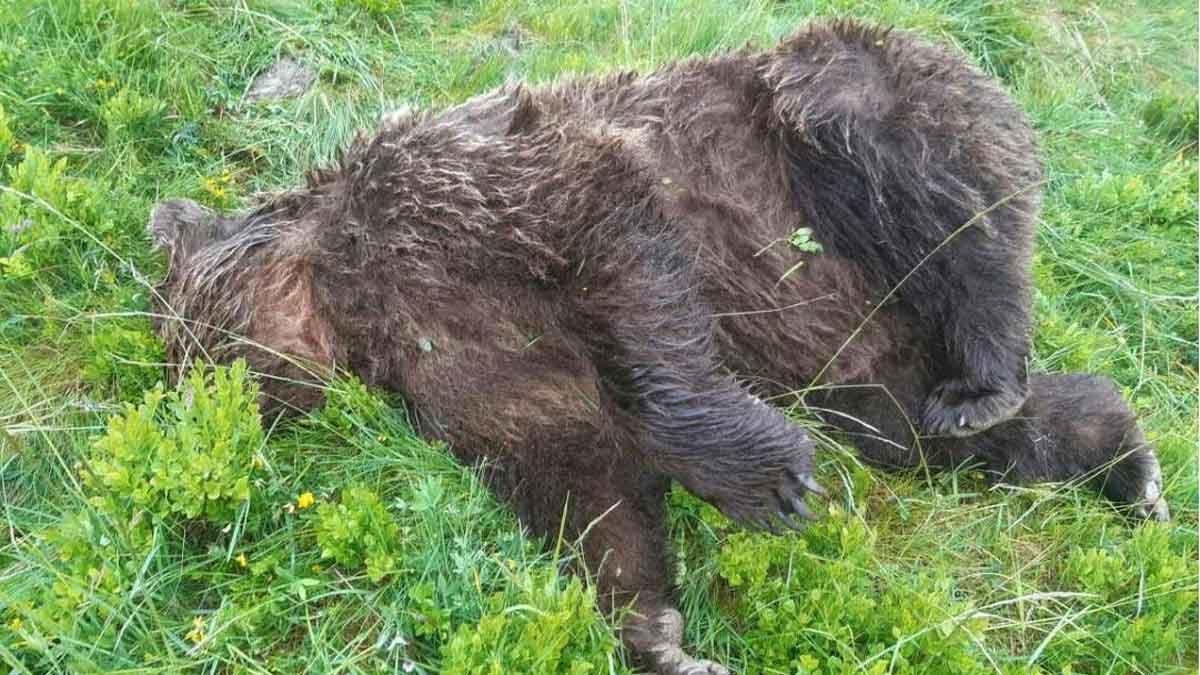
(241,559)
(16,623)
(305,500)
(196,634)
(214,187)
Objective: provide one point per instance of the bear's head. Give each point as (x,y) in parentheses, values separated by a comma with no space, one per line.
(240,286)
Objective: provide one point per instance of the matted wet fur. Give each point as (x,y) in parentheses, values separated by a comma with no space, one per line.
(589,285)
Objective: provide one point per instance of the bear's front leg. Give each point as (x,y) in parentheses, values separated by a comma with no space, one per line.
(986,335)
(730,449)
(651,339)
(620,509)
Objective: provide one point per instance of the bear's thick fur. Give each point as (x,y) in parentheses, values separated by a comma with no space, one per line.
(591,285)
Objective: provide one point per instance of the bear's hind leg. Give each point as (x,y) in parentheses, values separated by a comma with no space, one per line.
(1071,428)
(1080,428)
(1074,428)
(916,165)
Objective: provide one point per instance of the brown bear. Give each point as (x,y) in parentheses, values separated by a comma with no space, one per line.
(591,285)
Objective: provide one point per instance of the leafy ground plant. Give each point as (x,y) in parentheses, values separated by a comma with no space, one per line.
(157,528)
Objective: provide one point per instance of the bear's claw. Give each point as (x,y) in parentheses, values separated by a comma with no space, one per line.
(677,662)
(1151,504)
(767,497)
(790,508)
(812,485)
(954,408)
(666,654)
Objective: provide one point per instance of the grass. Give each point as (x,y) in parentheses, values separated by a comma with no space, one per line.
(363,549)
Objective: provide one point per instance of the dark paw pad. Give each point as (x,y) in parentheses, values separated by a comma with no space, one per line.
(957,409)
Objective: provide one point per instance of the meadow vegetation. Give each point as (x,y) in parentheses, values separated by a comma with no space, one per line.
(150,528)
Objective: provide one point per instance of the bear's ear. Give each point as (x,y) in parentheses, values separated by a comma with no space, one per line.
(181,227)
(176,221)
(506,111)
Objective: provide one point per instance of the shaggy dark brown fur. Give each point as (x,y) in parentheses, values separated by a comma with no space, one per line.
(584,284)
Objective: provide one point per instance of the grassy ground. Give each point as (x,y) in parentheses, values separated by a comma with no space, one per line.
(186,540)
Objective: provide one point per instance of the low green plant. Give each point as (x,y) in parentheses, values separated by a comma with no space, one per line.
(1175,118)
(827,602)
(122,358)
(1139,579)
(168,476)
(7,140)
(376,8)
(38,245)
(186,453)
(358,532)
(802,240)
(132,116)
(550,627)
